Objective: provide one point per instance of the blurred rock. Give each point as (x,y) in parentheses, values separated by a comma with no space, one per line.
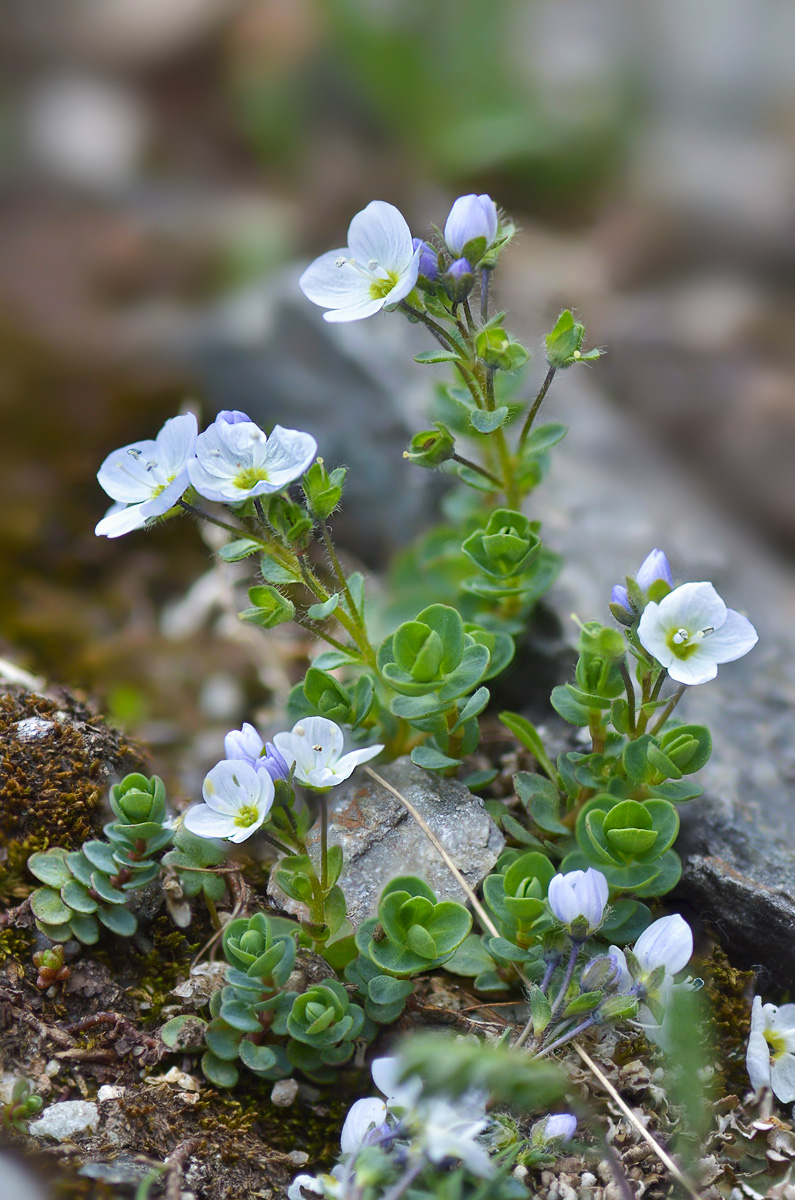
(64,1119)
(379,838)
(611,496)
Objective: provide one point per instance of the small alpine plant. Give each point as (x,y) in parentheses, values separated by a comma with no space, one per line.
(566,931)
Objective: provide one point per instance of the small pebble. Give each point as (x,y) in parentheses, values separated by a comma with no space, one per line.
(109,1091)
(67,1117)
(33,728)
(284,1092)
(299,1157)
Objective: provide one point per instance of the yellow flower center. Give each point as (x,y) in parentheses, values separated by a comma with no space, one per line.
(380,288)
(161,487)
(249,477)
(777,1043)
(247,815)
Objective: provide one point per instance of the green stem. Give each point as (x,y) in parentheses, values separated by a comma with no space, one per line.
(203,515)
(213,911)
(318,632)
(531,416)
(566,1037)
(338,571)
(669,708)
(485,279)
(468,314)
(473,466)
(323,845)
(438,331)
(630,690)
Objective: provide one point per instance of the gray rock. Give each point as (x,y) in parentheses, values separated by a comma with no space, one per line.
(284,1092)
(380,839)
(66,1118)
(611,496)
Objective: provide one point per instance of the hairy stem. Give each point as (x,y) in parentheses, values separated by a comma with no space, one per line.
(473,466)
(531,416)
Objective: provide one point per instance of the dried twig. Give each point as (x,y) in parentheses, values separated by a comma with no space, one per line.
(482,915)
(662,1154)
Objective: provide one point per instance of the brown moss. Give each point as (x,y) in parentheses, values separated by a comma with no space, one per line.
(727,991)
(53,784)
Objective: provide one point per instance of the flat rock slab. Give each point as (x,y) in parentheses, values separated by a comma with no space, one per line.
(380,839)
(611,496)
(66,1118)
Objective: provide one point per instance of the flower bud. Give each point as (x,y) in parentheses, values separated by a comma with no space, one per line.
(431,447)
(323,491)
(498,351)
(564,343)
(600,974)
(429,261)
(560,1125)
(274,763)
(471,226)
(616,1008)
(458,280)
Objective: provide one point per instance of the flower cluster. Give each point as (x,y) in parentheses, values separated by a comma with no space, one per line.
(231,461)
(381,263)
(770,1058)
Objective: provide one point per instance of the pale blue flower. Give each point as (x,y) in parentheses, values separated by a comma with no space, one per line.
(458,280)
(429,260)
(363,1119)
(237,800)
(578,900)
(236,460)
(654,566)
(471,217)
(667,944)
(691,631)
(560,1125)
(315,745)
(147,478)
(247,745)
(378,267)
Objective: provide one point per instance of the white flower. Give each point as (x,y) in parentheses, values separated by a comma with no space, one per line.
(771,1049)
(315,745)
(471,217)
(303,1184)
(403,1095)
(147,478)
(237,799)
(379,266)
(666,944)
(247,745)
(691,631)
(235,460)
(450,1130)
(560,1125)
(578,898)
(363,1116)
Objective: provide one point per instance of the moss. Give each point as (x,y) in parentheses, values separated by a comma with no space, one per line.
(53,785)
(15,882)
(15,944)
(161,968)
(727,990)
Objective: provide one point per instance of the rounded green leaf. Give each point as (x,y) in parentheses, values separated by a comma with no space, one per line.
(256,1058)
(218,1071)
(118,919)
(50,867)
(47,906)
(76,897)
(85,928)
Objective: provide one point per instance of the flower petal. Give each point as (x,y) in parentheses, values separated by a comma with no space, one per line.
(734,638)
(124,475)
(700,667)
(289,453)
(121,519)
(667,943)
(654,566)
(233,784)
(694,606)
(561,898)
(243,743)
(349,762)
(381,232)
(207,823)
(782,1078)
(362,1116)
(176,442)
(366,307)
(330,285)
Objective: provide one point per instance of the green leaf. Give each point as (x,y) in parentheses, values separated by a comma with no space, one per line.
(544,437)
(470,959)
(319,611)
(185,1032)
(527,734)
(222,1074)
(275,572)
(118,920)
(50,867)
(269,607)
(384,989)
(518,832)
(80,867)
(47,906)
(85,928)
(436,356)
(256,1058)
(56,933)
(100,855)
(540,1009)
(541,799)
(240,548)
(106,890)
(76,896)
(240,1016)
(564,703)
(473,707)
(488,421)
(584,1003)
(432,759)
(222,1040)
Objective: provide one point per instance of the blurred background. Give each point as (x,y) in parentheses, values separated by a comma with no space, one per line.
(165,171)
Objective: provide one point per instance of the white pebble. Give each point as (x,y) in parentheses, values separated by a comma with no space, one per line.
(67,1117)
